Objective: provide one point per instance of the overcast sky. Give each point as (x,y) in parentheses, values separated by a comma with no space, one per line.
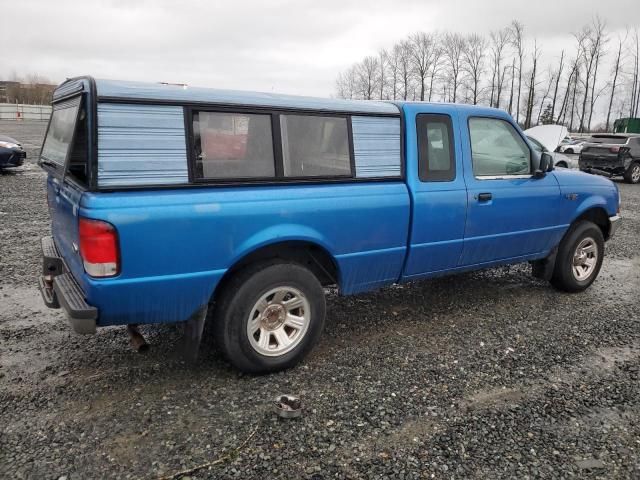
(288,46)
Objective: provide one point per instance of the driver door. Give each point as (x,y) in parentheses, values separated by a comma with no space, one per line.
(510,213)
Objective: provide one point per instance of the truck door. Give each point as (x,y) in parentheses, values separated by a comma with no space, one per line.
(437,188)
(511,213)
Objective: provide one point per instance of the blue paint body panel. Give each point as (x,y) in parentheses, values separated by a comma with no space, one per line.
(176,244)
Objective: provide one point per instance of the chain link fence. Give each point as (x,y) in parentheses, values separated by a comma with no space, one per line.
(19,111)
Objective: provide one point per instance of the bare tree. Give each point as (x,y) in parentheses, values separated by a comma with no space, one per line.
(499,40)
(590,40)
(557,74)
(436,65)
(535,56)
(473,55)
(513,76)
(404,63)
(517,40)
(635,83)
(367,74)
(382,75)
(615,71)
(346,84)
(422,49)
(551,76)
(453,47)
(394,67)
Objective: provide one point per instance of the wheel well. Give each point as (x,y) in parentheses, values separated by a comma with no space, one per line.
(315,258)
(598,216)
(562,164)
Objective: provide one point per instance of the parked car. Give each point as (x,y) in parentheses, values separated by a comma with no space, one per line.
(574,146)
(546,138)
(11,152)
(612,154)
(167,202)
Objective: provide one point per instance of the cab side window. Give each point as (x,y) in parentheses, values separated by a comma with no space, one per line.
(436,160)
(497,149)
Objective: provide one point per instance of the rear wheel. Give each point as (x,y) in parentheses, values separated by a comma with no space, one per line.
(579,257)
(269,316)
(632,175)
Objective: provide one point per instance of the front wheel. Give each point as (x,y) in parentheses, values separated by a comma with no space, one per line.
(269,316)
(632,175)
(579,257)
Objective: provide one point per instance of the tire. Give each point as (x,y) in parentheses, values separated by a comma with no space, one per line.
(257,291)
(585,237)
(568,150)
(632,175)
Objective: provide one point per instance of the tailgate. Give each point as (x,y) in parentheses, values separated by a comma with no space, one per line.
(64,201)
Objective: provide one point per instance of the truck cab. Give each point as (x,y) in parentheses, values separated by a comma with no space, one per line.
(179,204)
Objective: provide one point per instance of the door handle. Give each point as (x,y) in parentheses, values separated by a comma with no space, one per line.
(484,197)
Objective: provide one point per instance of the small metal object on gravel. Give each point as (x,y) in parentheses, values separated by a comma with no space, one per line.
(287,406)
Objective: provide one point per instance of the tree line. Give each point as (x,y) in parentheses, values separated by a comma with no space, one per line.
(33,89)
(598,78)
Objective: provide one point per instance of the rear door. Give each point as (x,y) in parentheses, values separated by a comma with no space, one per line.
(64,157)
(510,213)
(436,184)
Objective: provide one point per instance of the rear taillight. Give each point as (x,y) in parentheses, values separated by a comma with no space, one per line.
(614,149)
(99,247)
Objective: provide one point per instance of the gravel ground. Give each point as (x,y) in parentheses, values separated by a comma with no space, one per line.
(484,375)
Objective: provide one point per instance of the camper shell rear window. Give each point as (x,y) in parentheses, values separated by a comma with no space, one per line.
(59,138)
(65,147)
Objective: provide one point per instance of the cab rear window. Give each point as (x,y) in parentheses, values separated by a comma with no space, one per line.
(59,137)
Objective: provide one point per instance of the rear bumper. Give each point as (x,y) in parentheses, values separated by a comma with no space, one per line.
(60,289)
(614,165)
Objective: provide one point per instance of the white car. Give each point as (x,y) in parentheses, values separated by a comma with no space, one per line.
(546,138)
(572,147)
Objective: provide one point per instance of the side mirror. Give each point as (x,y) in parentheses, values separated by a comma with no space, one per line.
(546,165)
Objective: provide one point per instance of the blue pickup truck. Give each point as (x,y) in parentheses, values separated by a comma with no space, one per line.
(170,202)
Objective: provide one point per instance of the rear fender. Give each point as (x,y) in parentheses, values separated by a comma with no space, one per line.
(281,233)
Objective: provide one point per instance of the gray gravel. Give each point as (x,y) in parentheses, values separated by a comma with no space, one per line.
(485,375)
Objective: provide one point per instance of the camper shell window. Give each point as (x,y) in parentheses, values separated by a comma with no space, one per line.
(59,138)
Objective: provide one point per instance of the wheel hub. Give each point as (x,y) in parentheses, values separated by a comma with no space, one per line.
(585,258)
(278,321)
(273,317)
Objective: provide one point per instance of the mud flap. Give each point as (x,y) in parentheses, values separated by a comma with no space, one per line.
(543,269)
(192,337)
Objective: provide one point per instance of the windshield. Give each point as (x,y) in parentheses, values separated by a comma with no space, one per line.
(537,146)
(60,132)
